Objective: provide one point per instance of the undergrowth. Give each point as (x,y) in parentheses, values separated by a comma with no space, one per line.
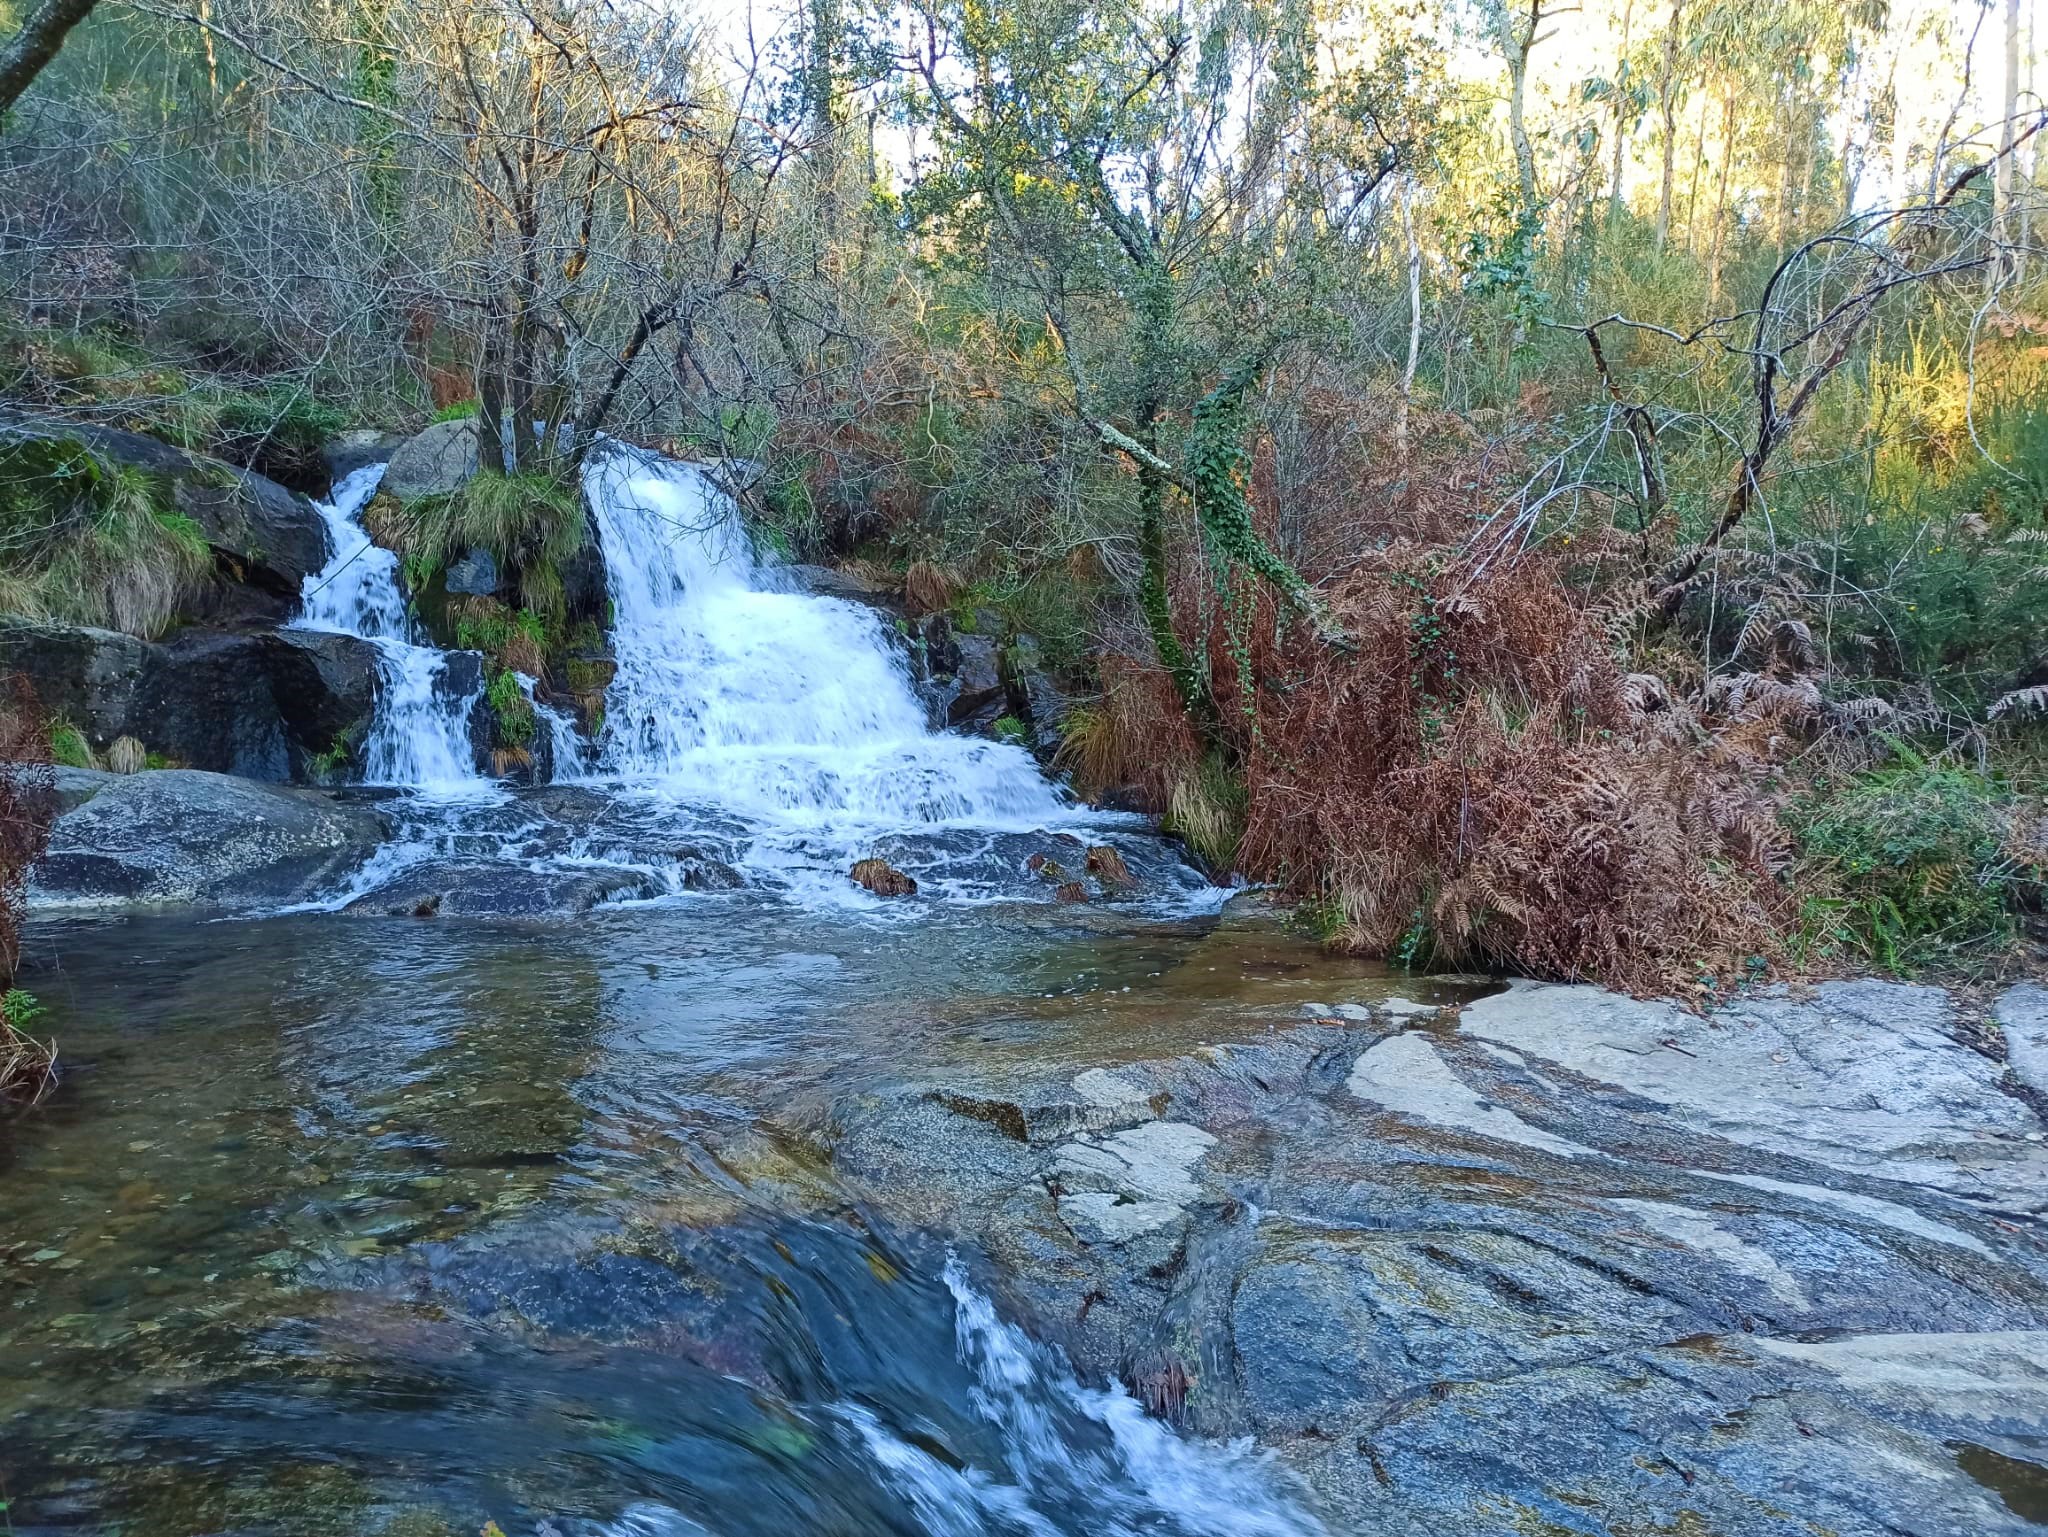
(89,542)
(1915,864)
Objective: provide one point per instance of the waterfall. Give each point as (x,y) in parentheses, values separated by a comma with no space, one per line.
(419,735)
(774,704)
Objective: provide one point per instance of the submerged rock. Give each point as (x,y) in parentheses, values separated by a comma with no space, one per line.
(883,878)
(184,837)
(483,888)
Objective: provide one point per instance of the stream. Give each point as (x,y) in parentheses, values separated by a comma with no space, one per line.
(356,1224)
(293,1250)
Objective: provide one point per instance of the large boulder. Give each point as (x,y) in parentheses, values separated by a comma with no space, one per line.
(255,703)
(434,462)
(189,838)
(83,675)
(265,539)
(358,448)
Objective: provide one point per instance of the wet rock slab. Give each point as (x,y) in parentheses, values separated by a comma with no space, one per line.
(1562,1263)
(184,837)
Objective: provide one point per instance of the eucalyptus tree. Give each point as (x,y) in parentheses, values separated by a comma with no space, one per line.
(1152,185)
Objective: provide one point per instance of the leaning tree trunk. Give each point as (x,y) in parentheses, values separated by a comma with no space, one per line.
(25,53)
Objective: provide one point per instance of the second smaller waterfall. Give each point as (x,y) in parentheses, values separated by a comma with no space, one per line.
(420,736)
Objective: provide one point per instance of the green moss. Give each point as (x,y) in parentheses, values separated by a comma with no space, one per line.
(456,411)
(1010,729)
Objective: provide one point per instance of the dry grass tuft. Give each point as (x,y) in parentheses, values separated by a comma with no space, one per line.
(929,588)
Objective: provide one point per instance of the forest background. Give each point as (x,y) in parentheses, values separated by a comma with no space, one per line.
(1560,488)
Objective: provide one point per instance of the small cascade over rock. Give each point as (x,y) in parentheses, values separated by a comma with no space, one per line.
(733,689)
(419,735)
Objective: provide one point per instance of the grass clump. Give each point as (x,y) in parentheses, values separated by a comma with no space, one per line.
(512,710)
(517,639)
(1914,860)
(531,523)
(84,541)
(1205,809)
(69,747)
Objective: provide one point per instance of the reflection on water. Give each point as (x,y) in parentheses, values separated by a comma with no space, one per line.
(369,1225)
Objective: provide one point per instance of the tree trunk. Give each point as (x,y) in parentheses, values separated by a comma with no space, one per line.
(1518,128)
(2002,180)
(1414,320)
(1667,103)
(1721,196)
(1628,11)
(490,391)
(25,53)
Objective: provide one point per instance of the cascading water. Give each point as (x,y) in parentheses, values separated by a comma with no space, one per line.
(770,703)
(755,736)
(419,736)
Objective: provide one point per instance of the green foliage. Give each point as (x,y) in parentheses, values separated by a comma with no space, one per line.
(334,761)
(90,542)
(1010,729)
(514,712)
(281,426)
(1911,860)
(500,631)
(456,411)
(19,1009)
(69,747)
(531,523)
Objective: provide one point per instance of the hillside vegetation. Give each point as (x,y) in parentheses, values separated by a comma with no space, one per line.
(1555,489)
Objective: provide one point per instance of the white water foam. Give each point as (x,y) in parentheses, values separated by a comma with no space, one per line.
(777,705)
(419,734)
(1076,1461)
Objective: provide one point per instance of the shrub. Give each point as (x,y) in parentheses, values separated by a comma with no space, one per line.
(89,542)
(28,1067)
(1914,858)
(279,430)
(1470,784)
